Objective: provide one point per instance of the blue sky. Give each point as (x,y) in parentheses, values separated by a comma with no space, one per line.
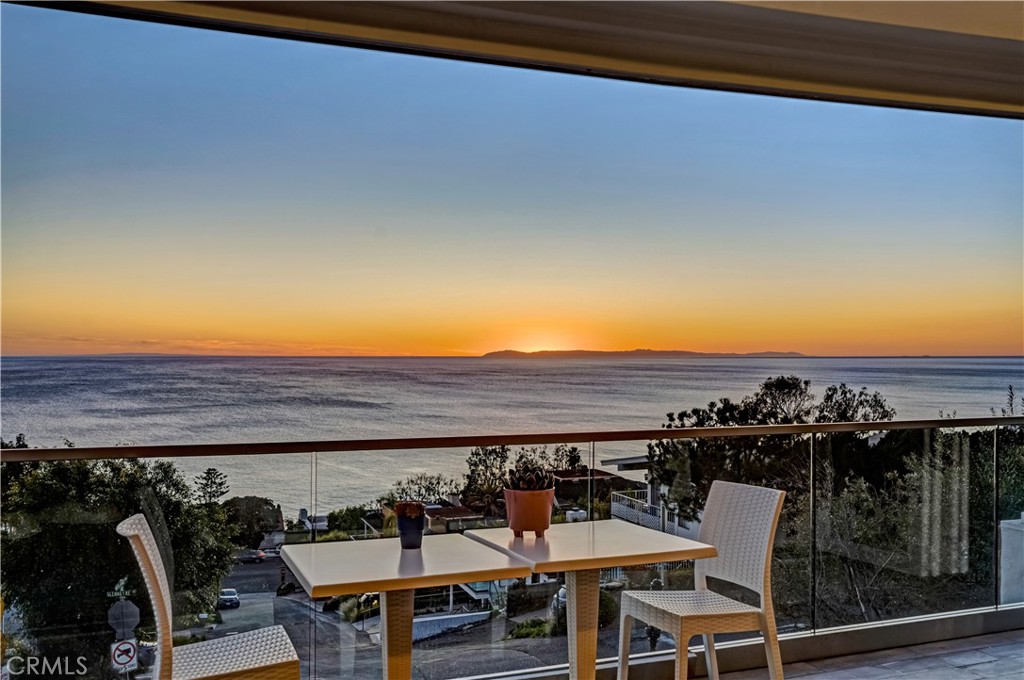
(178,188)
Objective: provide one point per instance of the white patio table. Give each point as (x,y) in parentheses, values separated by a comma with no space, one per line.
(381,565)
(581,550)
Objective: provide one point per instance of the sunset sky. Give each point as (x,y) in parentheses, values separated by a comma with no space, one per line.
(175,190)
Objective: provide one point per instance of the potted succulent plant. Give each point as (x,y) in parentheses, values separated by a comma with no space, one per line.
(529,497)
(412,520)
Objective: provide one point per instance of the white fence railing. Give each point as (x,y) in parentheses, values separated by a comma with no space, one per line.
(633,506)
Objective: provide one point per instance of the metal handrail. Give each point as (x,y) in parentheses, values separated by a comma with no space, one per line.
(264,448)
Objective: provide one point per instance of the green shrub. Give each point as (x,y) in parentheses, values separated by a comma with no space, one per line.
(350,609)
(607,614)
(180,640)
(607,610)
(522,598)
(333,535)
(530,628)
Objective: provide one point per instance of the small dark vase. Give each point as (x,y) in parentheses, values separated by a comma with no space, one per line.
(410,531)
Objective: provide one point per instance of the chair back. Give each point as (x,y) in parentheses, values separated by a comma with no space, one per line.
(144,544)
(740,521)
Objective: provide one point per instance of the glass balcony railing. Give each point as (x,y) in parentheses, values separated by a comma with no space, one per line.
(882,522)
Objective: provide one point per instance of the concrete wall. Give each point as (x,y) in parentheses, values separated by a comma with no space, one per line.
(427,627)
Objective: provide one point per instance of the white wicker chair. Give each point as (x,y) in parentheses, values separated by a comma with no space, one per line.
(740,521)
(264,654)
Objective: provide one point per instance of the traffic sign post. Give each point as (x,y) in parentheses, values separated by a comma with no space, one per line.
(124,656)
(123,617)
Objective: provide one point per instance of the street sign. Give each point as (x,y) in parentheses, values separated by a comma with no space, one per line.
(124,655)
(121,589)
(123,617)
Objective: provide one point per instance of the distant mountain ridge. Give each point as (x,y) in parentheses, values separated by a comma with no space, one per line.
(629,354)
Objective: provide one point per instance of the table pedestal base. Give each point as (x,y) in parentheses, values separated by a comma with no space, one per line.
(582,598)
(396,633)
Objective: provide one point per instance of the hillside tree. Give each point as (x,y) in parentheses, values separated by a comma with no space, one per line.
(211,485)
(61,553)
(250,517)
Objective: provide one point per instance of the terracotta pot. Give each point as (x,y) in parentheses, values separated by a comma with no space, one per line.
(410,531)
(529,511)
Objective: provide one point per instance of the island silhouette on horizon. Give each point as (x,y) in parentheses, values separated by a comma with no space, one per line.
(629,353)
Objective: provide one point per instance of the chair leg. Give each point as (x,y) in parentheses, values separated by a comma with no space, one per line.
(771,648)
(709,656)
(682,653)
(625,634)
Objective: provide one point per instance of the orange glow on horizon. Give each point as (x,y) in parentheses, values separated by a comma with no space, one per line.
(977,332)
(50,312)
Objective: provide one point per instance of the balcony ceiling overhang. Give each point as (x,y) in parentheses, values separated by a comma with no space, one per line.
(965,57)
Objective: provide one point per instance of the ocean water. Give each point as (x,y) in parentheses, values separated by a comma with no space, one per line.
(108,400)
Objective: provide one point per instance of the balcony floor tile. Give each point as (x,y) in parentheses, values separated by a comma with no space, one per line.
(995,669)
(948,673)
(967,658)
(880,658)
(1002,651)
(918,663)
(950,646)
(984,657)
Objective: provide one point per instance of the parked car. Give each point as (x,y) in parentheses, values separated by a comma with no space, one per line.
(250,555)
(146,656)
(228,599)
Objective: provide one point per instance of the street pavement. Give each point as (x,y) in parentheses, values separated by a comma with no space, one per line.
(262,577)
